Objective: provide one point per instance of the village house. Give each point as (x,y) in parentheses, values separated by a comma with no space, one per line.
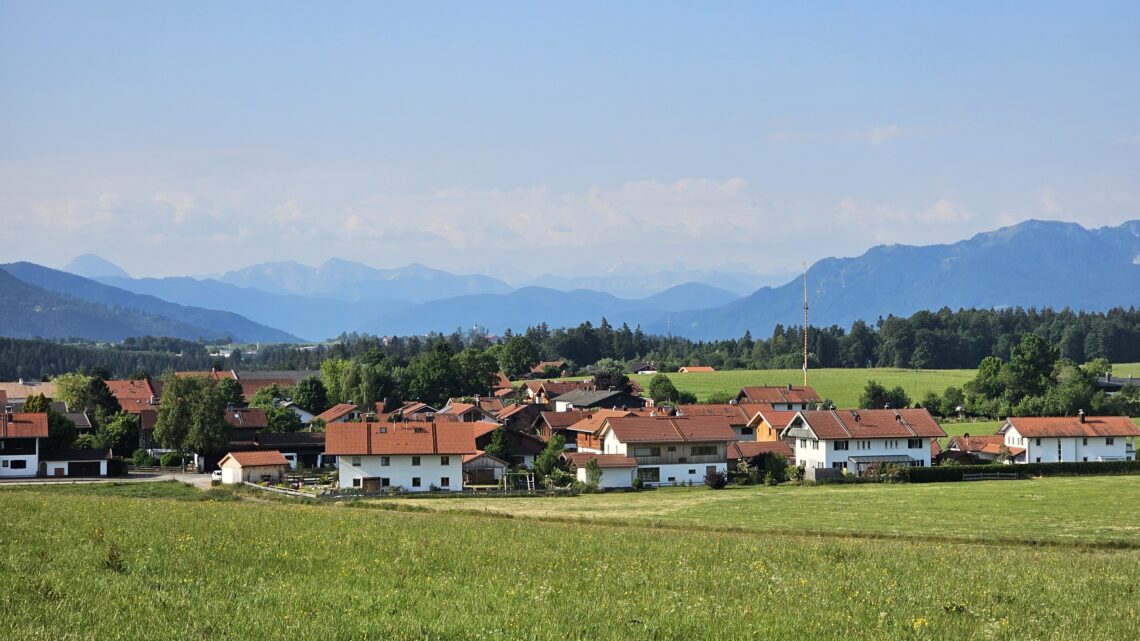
(415,457)
(539,369)
(133,395)
(550,423)
(695,369)
(854,440)
(341,413)
(584,400)
(519,416)
(20,434)
(641,368)
(788,397)
(541,392)
(305,415)
(253,467)
(253,381)
(481,468)
(85,462)
(19,391)
(768,423)
(617,470)
(521,447)
(1059,439)
(409,411)
(301,449)
(668,449)
(969,449)
(750,450)
(739,416)
(468,412)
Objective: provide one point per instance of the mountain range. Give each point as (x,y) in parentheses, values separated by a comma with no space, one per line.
(1032,264)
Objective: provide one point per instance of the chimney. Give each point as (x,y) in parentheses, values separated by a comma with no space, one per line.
(789,387)
(856,415)
(886,406)
(1081,415)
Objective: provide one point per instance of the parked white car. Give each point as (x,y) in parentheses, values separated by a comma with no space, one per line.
(216,475)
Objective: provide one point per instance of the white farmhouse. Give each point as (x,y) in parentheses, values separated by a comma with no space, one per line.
(617,470)
(252,467)
(668,449)
(20,434)
(413,456)
(853,440)
(1058,439)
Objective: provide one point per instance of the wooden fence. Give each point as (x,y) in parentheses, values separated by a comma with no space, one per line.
(990,476)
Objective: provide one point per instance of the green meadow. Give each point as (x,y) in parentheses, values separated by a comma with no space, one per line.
(79,564)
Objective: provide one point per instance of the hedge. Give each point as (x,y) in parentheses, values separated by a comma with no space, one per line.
(942,474)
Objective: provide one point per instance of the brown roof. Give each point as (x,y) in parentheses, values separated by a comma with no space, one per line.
(558,388)
(510,411)
(773,394)
(750,449)
(777,419)
(580,459)
(736,414)
(480,428)
(132,395)
(856,424)
(252,417)
(669,429)
(24,425)
(1054,426)
(503,382)
(973,443)
(996,448)
(542,365)
(558,420)
(18,390)
(336,412)
(693,369)
(467,458)
(257,458)
(594,421)
(361,439)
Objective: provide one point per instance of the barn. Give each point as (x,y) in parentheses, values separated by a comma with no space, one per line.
(253,467)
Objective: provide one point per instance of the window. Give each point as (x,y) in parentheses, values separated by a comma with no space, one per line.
(1109,441)
(671,449)
(19,465)
(692,471)
(703,450)
(1084,441)
(815,444)
(1037,441)
(4,463)
(1085,459)
(385,461)
(445,460)
(840,445)
(415,460)
(672,479)
(746,431)
(709,469)
(1038,459)
(415,481)
(649,474)
(838,465)
(914,443)
(356,461)
(356,482)
(647,451)
(445,481)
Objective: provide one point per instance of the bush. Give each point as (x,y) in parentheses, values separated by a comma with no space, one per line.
(171,459)
(637,483)
(771,480)
(794,473)
(943,474)
(143,458)
(716,479)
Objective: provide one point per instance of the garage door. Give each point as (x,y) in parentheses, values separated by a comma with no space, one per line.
(83,468)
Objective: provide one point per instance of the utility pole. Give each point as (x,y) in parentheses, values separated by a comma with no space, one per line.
(805,326)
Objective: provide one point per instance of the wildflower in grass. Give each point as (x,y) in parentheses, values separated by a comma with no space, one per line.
(919,623)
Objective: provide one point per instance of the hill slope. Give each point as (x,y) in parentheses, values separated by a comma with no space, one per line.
(1032,264)
(202,322)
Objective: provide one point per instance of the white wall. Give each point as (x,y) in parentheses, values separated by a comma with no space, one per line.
(741,436)
(400,471)
(819,453)
(31,465)
(612,477)
(683,472)
(1073,449)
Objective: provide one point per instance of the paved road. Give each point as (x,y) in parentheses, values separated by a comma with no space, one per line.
(201,481)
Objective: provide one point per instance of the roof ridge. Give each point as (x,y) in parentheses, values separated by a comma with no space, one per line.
(905,423)
(842,425)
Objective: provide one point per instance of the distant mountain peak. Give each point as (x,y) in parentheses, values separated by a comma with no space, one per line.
(94,266)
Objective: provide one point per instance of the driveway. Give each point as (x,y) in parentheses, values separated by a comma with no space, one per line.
(200,481)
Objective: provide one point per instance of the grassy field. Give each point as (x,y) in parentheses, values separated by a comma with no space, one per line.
(1125,369)
(1054,510)
(83,564)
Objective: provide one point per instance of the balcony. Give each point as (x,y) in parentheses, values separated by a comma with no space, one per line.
(673,458)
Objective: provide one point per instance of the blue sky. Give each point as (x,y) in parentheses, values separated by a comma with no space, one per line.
(515,139)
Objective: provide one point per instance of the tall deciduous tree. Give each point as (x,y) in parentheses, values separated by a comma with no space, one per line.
(311,394)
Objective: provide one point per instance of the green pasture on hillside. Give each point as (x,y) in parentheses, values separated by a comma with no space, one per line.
(80,565)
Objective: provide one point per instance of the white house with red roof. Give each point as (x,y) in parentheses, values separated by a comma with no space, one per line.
(780,397)
(617,470)
(415,457)
(253,467)
(853,440)
(1067,439)
(669,449)
(20,434)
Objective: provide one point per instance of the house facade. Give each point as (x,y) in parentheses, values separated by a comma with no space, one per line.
(781,398)
(415,457)
(669,449)
(855,440)
(617,470)
(1067,439)
(20,441)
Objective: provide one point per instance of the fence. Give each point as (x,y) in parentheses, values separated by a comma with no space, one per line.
(155,469)
(990,476)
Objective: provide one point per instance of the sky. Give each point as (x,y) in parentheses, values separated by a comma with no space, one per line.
(515,139)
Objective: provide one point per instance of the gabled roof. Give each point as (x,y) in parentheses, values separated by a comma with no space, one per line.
(778,419)
(581,459)
(562,420)
(511,410)
(542,365)
(79,454)
(24,389)
(750,449)
(1068,426)
(594,421)
(338,411)
(503,382)
(250,417)
(773,394)
(668,429)
(256,458)
(591,397)
(478,454)
(363,439)
(695,369)
(869,424)
(24,425)
(480,428)
(132,395)
(736,414)
(974,443)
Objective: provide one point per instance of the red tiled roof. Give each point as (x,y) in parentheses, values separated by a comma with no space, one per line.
(480,428)
(848,424)
(973,443)
(24,425)
(18,390)
(773,394)
(503,382)
(777,419)
(558,420)
(669,429)
(750,449)
(336,412)
(132,395)
(510,411)
(257,458)
(581,459)
(1067,426)
(542,365)
(996,448)
(736,414)
(695,369)
(361,439)
(252,417)
(467,458)
(457,408)
(594,421)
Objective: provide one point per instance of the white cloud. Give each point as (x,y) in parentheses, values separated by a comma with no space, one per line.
(881,134)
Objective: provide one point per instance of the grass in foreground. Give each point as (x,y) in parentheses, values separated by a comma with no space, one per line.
(76,566)
(1092,509)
